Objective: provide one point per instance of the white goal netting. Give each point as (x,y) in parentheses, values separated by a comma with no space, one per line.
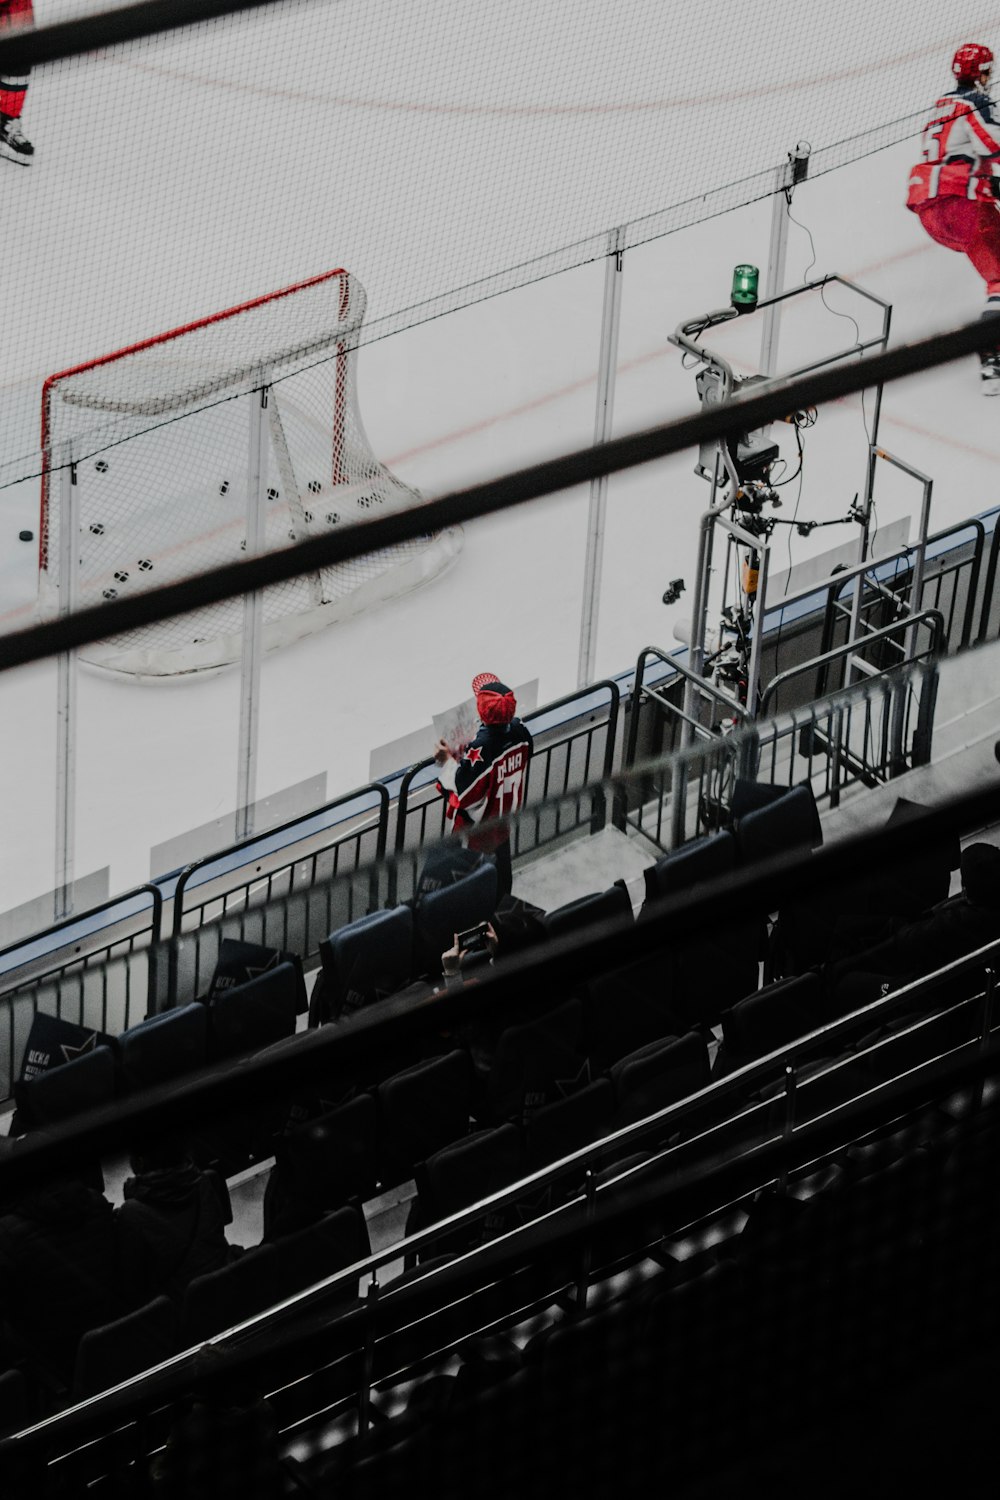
(152,449)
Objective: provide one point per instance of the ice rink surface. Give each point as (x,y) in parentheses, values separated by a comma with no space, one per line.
(468,395)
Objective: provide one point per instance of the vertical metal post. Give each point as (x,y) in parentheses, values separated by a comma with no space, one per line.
(788,1129)
(253,604)
(368,1357)
(587,1249)
(774,283)
(986,1032)
(69,570)
(757,642)
(603,417)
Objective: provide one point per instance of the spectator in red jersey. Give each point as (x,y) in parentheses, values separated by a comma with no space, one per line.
(487,780)
(13,87)
(953,191)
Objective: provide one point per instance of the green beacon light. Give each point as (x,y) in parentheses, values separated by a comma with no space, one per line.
(744,293)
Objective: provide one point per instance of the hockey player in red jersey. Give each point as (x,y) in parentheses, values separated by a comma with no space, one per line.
(487,780)
(13,143)
(954,189)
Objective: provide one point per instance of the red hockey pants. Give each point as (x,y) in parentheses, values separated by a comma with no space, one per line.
(13,88)
(971,227)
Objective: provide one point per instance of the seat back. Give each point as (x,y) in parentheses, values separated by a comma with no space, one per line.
(533,1059)
(455,908)
(602,906)
(240,961)
(61,1092)
(702,859)
(221,1299)
(658,1075)
(420,1110)
(253,1015)
(164,1047)
(116,1351)
(789,822)
(326,1161)
(773,1017)
(628,1008)
(470,1169)
(324,1248)
(366,960)
(567,1126)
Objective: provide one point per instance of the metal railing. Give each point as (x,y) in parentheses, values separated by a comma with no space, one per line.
(865,736)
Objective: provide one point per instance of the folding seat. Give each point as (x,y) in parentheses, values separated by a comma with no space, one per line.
(848,917)
(771,1018)
(714,967)
(164,1047)
(251,1016)
(463,1173)
(320,1165)
(363,962)
(539,1062)
(116,1351)
(659,1074)
(562,1128)
(787,823)
(420,1110)
(748,796)
(704,859)
(221,1299)
(67,1090)
(439,915)
(602,906)
(240,961)
(337,1240)
(627,1008)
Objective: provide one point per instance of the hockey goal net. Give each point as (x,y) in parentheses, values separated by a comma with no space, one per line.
(150,449)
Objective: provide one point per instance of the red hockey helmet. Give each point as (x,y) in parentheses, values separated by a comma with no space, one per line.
(970,60)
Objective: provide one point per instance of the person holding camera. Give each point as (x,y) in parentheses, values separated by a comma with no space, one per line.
(953,191)
(487,780)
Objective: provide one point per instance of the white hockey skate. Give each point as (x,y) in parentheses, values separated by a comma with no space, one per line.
(14,144)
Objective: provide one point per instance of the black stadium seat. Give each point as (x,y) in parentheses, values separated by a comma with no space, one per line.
(602,906)
(570,1124)
(221,1299)
(420,1110)
(321,1250)
(253,1015)
(116,1351)
(536,1063)
(61,1092)
(439,915)
(707,858)
(761,1023)
(659,1074)
(365,961)
(790,822)
(164,1047)
(321,1164)
(462,1174)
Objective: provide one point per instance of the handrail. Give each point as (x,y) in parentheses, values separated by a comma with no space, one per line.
(374,789)
(38,939)
(931,617)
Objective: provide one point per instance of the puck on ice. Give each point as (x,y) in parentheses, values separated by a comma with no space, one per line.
(26,536)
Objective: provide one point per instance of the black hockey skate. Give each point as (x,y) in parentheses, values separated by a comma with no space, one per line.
(989,374)
(14,144)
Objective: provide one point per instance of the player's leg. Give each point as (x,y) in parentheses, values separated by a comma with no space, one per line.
(983,251)
(14,144)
